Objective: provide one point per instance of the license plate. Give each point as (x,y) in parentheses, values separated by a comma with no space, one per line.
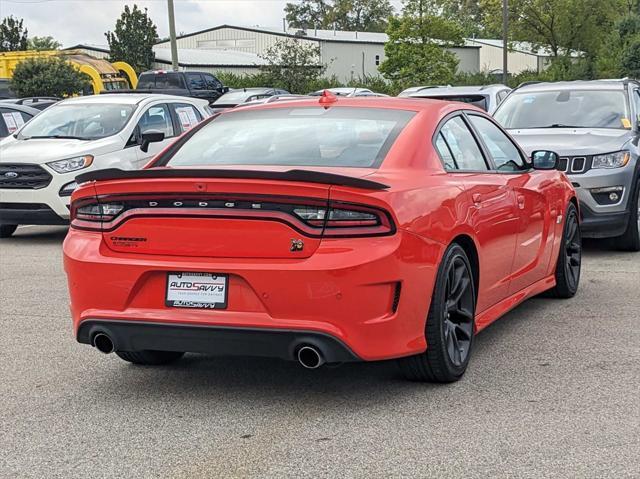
(197,290)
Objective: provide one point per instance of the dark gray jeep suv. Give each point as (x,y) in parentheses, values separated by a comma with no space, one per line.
(595,128)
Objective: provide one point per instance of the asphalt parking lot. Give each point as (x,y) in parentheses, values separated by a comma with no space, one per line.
(552,391)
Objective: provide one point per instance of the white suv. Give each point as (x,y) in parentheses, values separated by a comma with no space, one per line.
(39,163)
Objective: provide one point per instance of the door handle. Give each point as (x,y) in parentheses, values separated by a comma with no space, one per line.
(521,202)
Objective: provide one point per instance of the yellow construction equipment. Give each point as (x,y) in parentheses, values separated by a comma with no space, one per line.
(104,76)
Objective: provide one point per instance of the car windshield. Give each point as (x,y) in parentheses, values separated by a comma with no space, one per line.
(343,137)
(78,120)
(564,108)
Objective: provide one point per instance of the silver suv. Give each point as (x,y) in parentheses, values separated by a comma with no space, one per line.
(595,128)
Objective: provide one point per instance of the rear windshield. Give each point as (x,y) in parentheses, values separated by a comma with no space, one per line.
(237,97)
(164,81)
(343,137)
(476,100)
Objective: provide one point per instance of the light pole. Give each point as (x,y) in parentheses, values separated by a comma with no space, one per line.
(172,35)
(505,40)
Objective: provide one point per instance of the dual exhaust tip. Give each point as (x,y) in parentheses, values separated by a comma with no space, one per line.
(308,356)
(103,343)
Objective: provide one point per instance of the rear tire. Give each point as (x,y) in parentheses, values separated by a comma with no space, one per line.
(149,358)
(7,230)
(569,261)
(450,323)
(630,240)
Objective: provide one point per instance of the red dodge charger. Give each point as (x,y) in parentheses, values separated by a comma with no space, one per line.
(323,231)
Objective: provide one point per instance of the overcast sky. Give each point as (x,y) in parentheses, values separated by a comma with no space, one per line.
(85,21)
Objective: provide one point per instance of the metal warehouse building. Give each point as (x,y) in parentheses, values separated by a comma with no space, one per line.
(237,49)
(347,54)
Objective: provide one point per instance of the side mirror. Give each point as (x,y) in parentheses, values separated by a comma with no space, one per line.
(544,160)
(148,137)
(225,89)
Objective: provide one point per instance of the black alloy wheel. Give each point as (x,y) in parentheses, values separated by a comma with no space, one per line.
(450,323)
(458,320)
(569,262)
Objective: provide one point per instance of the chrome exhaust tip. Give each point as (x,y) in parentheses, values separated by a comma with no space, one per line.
(103,343)
(309,357)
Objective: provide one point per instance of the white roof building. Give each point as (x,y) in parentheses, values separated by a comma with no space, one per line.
(239,49)
(521,56)
(346,54)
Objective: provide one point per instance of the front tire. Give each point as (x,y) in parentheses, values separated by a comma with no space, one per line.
(149,358)
(569,262)
(7,230)
(630,240)
(450,323)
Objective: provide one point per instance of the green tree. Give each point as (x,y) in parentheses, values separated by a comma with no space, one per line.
(617,54)
(630,58)
(133,39)
(308,14)
(416,52)
(561,25)
(350,15)
(13,36)
(361,15)
(47,76)
(472,17)
(292,65)
(43,43)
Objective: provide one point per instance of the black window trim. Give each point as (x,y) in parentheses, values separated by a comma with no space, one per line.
(487,152)
(444,121)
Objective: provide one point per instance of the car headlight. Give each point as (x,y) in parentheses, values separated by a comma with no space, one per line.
(71,164)
(612,160)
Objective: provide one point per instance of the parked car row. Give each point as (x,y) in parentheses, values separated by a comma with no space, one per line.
(313,228)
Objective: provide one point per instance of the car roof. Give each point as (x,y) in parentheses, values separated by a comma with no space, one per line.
(457,90)
(574,85)
(434,107)
(125,98)
(12,106)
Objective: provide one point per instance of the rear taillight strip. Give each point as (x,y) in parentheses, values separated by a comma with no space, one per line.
(310,216)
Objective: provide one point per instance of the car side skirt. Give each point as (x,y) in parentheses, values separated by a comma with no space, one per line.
(498,310)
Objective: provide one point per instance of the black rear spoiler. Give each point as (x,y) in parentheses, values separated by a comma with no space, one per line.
(307,176)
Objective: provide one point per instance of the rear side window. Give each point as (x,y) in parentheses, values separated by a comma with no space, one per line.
(11,121)
(445,153)
(504,153)
(188,116)
(163,81)
(315,136)
(463,147)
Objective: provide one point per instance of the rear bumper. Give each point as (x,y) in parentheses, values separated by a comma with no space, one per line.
(603,225)
(371,295)
(220,341)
